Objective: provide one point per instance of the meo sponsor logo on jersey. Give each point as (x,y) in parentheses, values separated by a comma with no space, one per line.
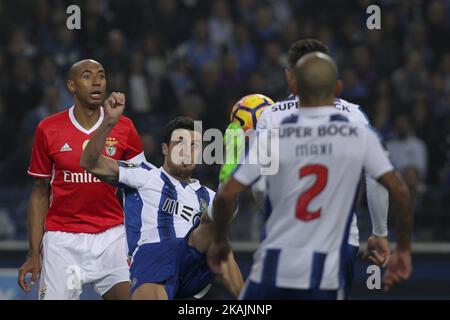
(173,207)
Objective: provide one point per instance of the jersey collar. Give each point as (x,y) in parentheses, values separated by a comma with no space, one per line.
(194,185)
(79,127)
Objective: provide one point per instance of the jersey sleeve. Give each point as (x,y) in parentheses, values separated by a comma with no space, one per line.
(134,146)
(378,203)
(41,164)
(248,170)
(362,116)
(212,194)
(133,175)
(376,162)
(263,120)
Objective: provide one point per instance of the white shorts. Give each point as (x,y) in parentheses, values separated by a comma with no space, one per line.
(70,260)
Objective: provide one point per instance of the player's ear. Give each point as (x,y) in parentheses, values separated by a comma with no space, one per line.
(70,86)
(165,149)
(338,88)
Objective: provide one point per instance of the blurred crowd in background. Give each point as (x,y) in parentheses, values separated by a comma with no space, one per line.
(197,58)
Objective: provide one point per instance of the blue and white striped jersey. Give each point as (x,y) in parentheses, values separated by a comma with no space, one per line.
(157,206)
(272,116)
(311,198)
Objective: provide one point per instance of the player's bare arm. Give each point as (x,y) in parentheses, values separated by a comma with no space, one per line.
(37,209)
(223,210)
(401,202)
(399,266)
(92,159)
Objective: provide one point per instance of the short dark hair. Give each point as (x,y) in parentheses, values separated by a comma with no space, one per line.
(177,123)
(301,47)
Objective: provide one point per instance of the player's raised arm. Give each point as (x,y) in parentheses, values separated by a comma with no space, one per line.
(92,160)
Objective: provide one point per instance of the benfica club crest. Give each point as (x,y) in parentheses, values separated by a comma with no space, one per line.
(110,146)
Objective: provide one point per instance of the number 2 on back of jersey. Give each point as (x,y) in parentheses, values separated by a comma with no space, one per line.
(321,174)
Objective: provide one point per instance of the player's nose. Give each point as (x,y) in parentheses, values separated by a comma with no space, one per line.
(96,81)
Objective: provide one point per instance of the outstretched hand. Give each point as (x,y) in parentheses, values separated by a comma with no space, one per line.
(114,106)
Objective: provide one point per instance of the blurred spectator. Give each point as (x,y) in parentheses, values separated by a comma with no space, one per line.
(407,151)
(444,67)
(354,89)
(410,78)
(114,57)
(420,118)
(65,51)
(257,83)
(192,106)
(170,22)
(22,92)
(325,35)
(94,25)
(48,106)
(7,126)
(232,80)
(152,148)
(50,76)
(213,95)
(19,46)
(245,10)
(243,49)
(438,25)
(199,50)
(264,25)
(417,40)
(179,77)
(272,66)
(361,60)
(139,85)
(220,23)
(438,96)
(155,59)
(290,32)
(381,120)
(282,12)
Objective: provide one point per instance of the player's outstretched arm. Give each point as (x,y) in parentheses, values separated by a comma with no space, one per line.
(37,209)
(92,159)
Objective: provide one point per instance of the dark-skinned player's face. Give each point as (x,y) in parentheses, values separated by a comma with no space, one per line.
(89,84)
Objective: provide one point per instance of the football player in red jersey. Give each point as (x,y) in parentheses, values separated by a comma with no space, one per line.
(75,221)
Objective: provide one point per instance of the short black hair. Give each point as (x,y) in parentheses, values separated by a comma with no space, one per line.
(177,123)
(301,47)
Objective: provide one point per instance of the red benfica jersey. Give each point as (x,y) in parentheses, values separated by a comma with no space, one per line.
(79,202)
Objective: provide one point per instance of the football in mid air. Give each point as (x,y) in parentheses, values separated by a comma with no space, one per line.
(247,110)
